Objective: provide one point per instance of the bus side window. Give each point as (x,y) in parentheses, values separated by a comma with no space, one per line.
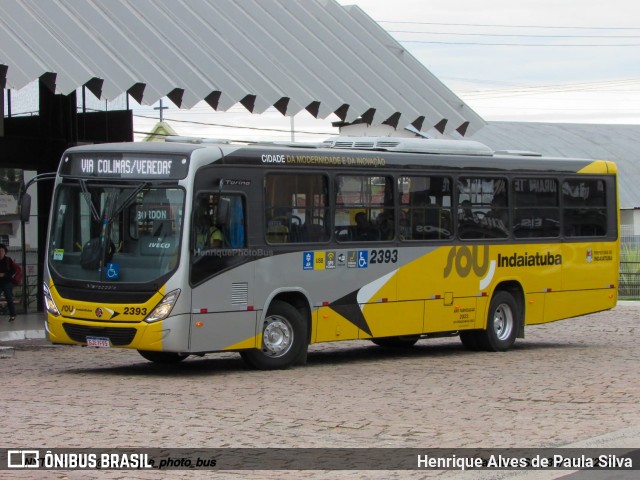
(585,208)
(425,207)
(536,208)
(219,221)
(296,208)
(483,207)
(364,208)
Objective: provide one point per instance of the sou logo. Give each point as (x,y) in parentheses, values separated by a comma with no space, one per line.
(464,259)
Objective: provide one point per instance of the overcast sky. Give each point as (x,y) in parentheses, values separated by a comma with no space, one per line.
(551,60)
(575,61)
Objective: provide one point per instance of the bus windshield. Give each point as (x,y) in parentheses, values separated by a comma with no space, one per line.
(105,232)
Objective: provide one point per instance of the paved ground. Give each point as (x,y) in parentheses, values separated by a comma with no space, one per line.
(575,382)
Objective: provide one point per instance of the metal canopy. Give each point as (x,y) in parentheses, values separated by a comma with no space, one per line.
(313,54)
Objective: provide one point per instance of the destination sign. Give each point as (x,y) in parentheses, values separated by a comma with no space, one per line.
(124,165)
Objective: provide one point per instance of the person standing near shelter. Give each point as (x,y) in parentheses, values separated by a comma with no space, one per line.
(7,270)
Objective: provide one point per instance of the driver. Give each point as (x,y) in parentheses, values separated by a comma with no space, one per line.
(208,235)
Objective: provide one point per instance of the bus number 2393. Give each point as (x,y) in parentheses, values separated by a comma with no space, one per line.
(384,256)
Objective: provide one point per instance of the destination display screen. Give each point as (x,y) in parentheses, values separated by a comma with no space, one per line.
(124,165)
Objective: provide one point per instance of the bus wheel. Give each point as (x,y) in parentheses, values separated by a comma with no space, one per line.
(404,341)
(165,358)
(284,339)
(502,323)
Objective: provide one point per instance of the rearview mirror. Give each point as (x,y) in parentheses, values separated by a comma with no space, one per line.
(25,207)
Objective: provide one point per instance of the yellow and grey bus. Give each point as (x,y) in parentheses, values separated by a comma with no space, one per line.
(188,247)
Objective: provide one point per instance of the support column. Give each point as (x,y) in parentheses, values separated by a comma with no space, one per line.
(2,117)
(3,85)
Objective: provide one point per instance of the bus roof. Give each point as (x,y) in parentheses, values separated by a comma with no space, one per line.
(363,152)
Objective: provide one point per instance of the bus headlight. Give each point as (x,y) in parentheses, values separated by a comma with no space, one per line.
(52,308)
(163,309)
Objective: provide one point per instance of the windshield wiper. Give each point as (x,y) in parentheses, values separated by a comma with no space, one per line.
(123,205)
(129,199)
(87,197)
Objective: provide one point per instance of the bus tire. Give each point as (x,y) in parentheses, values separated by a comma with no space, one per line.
(284,339)
(502,323)
(164,358)
(403,341)
(470,340)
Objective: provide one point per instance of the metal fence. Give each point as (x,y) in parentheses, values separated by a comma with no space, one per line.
(629,267)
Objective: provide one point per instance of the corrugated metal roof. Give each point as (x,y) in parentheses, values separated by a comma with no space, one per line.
(619,143)
(294,55)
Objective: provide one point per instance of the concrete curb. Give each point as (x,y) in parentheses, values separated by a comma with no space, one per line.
(12,335)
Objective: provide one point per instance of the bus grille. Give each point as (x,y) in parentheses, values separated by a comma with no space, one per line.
(118,336)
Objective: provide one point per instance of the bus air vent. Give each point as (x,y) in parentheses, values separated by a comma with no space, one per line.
(239,293)
(363,145)
(413,145)
(387,144)
(343,145)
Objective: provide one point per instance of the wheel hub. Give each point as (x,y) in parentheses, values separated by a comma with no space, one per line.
(503,322)
(277,337)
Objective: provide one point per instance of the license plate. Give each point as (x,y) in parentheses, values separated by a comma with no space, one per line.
(102,342)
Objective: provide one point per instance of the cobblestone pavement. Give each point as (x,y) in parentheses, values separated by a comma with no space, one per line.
(566,382)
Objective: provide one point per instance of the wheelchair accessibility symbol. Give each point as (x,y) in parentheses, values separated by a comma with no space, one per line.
(363,258)
(113,271)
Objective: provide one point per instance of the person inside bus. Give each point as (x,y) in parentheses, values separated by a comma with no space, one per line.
(425,219)
(364,230)
(207,234)
(468,221)
(466,213)
(499,212)
(404,226)
(384,225)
